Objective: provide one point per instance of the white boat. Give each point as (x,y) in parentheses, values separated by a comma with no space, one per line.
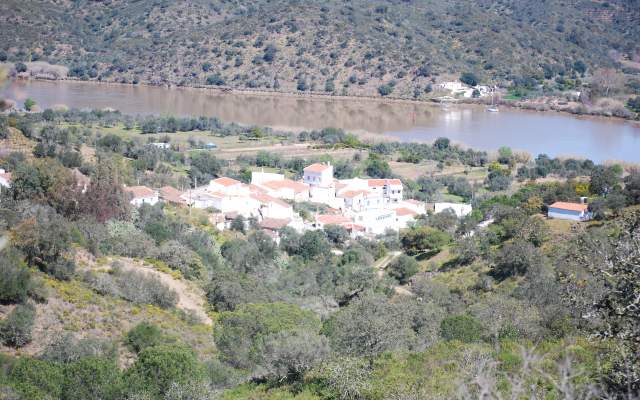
(492,109)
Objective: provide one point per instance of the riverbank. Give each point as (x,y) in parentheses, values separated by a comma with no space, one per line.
(542,104)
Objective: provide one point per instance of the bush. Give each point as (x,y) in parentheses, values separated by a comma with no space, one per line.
(67,349)
(461,327)
(385,90)
(142,336)
(137,287)
(15,330)
(35,379)
(403,268)
(92,378)
(15,278)
(469,78)
(287,355)
(159,367)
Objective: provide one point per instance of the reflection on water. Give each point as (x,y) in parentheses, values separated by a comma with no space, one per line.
(554,134)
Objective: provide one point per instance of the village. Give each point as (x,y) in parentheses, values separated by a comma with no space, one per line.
(364,207)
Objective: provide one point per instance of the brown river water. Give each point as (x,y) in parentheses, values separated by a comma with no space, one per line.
(555,134)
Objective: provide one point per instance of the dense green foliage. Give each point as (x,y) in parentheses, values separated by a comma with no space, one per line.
(364,47)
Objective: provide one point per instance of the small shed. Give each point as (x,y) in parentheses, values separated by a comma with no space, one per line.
(569,211)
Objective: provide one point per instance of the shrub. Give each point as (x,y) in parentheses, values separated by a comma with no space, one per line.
(403,268)
(385,90)
(142,336)
(461,327)
(159,367)
(15,278)
(92,378)
(67,349)
(179,257)
(35,379)
(287,355)
(137,287)
(469,78)
(15,329)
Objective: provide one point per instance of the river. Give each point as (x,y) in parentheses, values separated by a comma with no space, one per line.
(555,134)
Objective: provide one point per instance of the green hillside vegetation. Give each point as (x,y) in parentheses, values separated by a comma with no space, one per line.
(387,48)
(93,293)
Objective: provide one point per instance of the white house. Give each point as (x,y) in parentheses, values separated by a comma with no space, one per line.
(318,175)
(161,145)
(404,216)
(260,177)
(419,207)
(228,186)
(376,221)
(323,220)
(458,208)
(569,211)
(287,189)
(271,207)
(5,178)
(390,189)
(141,195)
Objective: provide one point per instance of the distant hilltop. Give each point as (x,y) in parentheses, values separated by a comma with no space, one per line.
(361,48)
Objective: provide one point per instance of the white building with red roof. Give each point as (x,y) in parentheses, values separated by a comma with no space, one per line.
(569,211)
(271,207)
(5,178)
(318,175)
(390,189)
(228,186)
(141,195)
(287,189)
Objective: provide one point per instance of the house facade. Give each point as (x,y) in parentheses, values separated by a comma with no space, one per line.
(318,175)
(569,211)
(142,195)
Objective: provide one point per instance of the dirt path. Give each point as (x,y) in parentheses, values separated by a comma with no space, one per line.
(190,297)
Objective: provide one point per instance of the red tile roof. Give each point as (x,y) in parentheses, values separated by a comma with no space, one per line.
(383,182)
(288,184)
(255,189)
(316,167)
(265,198)
(224,181)
(349,194)
(561,205)
(402,212)
(274,224)
(327,219)
(171,194)
(139,192)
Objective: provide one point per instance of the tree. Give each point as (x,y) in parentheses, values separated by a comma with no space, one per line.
(45,239)
(144,335)
(289,354)
(215,80)
(442,143)
(461,327)
(603,180)
(370,325)
(515,259)
(385,90)
(37,379)
(92,378)
(15,329)
(105,199)
(238,224)
(403,268)
(632,187)
(377,167)
(336,234)
(159,367)
(240,334)
(15,278)
(313,244)
(469,78)
(21,67)
(29,104)
(606,80)
(423,239)
(634,104)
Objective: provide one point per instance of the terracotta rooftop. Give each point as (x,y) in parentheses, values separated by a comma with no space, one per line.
(561,205)
(402,212)
(139,192)
(224,181)
(349,194)
(316,167)
(265,198)
(383,182)
(328,219)
(287,183)
(274,224)
(171,194)
(255,189)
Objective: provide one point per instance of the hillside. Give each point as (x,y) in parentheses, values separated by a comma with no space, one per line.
(331,46)
(102,299)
